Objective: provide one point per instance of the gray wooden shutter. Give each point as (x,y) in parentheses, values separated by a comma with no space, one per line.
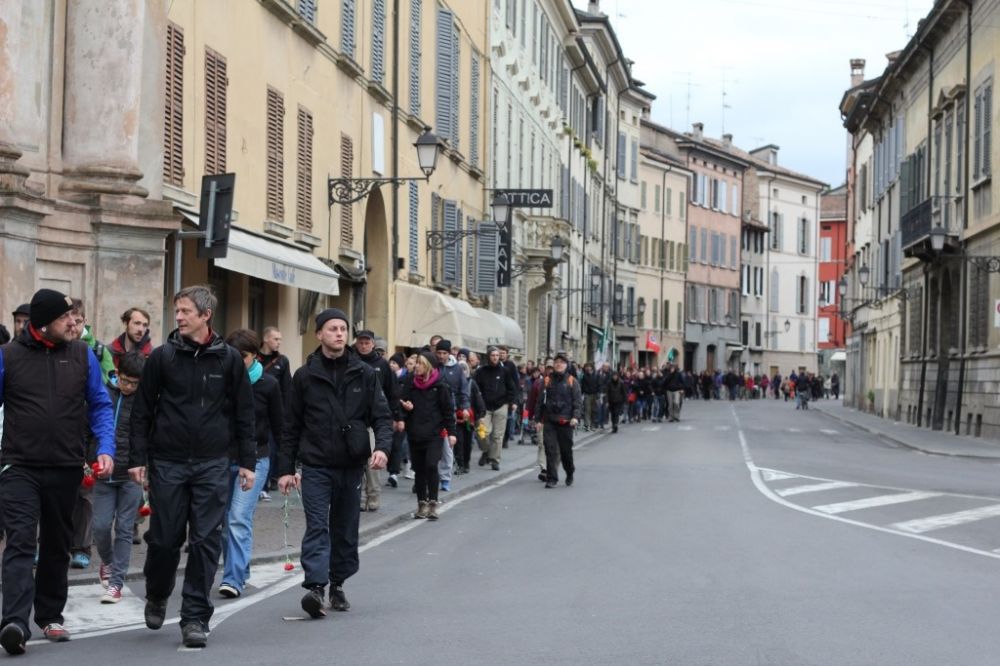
(474,112)
(444,74)
(621,155)
(414,227)
(450,252)
(486,259)
(635,160)
(436,226)
(347,41)
(456,89)
(564,192)
(307,10)
(458,250)
(378,40)
(471,263)
(987,129)
(774,290)
(415,15)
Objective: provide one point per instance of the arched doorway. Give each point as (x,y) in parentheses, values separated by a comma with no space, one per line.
(378,266)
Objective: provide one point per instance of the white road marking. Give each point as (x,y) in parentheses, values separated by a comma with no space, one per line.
(651,428)
(771,475)
(921,525)
(685,427)
(793,429)
(758,482)
(815,488)
(722,427)
(827,431)
(871,502)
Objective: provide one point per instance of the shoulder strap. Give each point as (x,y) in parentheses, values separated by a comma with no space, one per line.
(98,350)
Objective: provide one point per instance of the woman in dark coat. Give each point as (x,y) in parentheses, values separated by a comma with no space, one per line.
(429,412)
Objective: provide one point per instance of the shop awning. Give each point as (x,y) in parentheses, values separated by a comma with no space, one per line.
(503,330)
(276,262)
(838,357)
(421,313)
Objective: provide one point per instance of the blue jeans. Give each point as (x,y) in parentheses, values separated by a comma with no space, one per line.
(332,502)
(238,537)
(115,506)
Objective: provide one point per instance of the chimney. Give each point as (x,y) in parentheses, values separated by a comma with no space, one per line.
(594,7)
(857,71)
(697,129)
(727,140)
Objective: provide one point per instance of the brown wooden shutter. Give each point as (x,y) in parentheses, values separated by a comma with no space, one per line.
(173,108)
(346,211)
(303,187)
(275,155)
(216,81)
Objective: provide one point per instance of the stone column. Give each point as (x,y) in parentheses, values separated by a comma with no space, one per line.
(11,174)
(103,85)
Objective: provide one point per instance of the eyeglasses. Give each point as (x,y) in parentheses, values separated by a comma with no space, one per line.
(125,381)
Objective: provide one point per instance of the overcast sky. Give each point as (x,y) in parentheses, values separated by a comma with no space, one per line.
(785,64)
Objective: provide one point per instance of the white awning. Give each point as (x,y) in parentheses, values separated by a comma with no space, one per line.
(838,357)
(421,313)
(276,262)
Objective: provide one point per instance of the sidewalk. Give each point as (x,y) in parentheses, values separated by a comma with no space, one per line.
(397,505)
(936,442)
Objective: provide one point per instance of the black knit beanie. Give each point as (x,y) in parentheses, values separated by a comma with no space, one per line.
(328,314)
(47,305)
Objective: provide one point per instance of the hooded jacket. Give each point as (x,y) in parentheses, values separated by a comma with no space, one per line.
(100,351)
(317,432)
(194,403)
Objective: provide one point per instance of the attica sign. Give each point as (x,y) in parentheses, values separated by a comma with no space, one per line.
(528,198)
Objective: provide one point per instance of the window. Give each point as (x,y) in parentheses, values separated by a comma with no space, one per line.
(803,236)
(276,156)
(303,183)
(378,41)
(620,156)
(737,204)
(723,199)
(959,149)
(982,131)
(825,249)
(347,41)
(693,243)
(745,332)
(216,82)
(173,109)
(656,198)
(756,334)
(704,246)
(670,196)
(680,205)
(824,329)
(732,253)
(346,170)
(714,260)
(827,289)
(656,310)
(680,318)
(666,315)
(745,280)
(642,195)
(635,161)
(307,10)
(415,15)
(777,220)
(802,295)
(775,294)
(670,255)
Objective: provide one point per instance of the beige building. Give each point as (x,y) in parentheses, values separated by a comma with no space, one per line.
(80,125)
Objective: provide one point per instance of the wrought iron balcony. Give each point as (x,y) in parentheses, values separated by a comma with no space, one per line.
(915,226)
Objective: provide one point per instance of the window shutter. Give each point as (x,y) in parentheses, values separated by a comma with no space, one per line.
(798,295)
(303,189)
(474,112)
(471,258)
(436,226)
(378,40)
(621,155)
(456,80)
(458,250)
(486,259)
(414,227)
(987,129)
(732,252)
(216,82)
(444,79)
(346,211)
(307,10)
(774,290)
(977,129)
(635,160)
(173,108)
(415,14)
(451,252)
(347,41)
(275,155)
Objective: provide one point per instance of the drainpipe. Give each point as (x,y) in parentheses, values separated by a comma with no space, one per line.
(394,270)
(663,240)
(963,308)
(604,199)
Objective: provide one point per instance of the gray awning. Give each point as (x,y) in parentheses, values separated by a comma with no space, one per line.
(276,262)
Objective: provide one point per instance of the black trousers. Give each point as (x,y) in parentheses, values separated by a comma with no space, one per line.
(424,461)
(616,414)
(558,441)
(396,452)
(189,501)
(463,447)
(331,499)
(37,506)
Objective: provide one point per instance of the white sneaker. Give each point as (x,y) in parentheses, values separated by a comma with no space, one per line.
(264,496)
(409,475)
(228,591)
(112,595)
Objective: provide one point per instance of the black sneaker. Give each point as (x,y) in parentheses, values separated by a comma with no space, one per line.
(569,479)
(550,484)
(312,603)
(338,600)
(12,639)
(495,466)
(483,459)
(543,477)
(194,635)
(156,613)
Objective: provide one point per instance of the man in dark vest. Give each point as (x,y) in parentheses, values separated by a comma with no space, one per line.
(51,387)
(561,408)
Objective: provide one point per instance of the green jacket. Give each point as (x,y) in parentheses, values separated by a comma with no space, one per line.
(104,355)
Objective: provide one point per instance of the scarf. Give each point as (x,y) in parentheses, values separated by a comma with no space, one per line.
(423,383)
(256,371)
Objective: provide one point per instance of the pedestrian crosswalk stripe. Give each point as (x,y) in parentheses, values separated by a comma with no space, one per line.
(921,525)
(770,475)
(871,502)
(815,488)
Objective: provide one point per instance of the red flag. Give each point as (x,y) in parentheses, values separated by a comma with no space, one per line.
(652,344)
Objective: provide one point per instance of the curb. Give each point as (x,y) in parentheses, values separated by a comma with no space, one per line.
(905,444)
(365,534)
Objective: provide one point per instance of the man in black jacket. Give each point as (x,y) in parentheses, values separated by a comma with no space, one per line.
(561,406)
(278,366)
(590,385)
(193,407)
(674,384)
(496,384)
(364,345)
(335,399)
(50,387)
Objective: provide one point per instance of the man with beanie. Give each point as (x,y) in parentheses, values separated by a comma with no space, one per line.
(455,378)
(194,406)
(21,317)
(51,388)
(365,346)
(561,407)
(336,397)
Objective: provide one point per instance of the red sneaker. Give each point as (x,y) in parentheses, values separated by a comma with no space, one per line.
(104,573)
(56,633)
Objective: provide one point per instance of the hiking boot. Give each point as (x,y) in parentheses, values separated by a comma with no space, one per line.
(194,635)
(312,603)
(55,632)
(338,600)
(156,613)
(432,510)
(12,639)
(542,476)
(422,510)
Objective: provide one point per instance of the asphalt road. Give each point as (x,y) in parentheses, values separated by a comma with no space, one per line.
(747,534)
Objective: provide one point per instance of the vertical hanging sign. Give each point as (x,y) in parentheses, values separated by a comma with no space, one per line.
(505,250)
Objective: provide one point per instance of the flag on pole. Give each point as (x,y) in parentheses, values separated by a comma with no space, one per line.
(652,344)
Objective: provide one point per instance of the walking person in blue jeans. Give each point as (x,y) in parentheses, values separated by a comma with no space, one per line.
(268,414)
(117,499)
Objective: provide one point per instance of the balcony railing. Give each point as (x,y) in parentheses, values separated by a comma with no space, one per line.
(915,225)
